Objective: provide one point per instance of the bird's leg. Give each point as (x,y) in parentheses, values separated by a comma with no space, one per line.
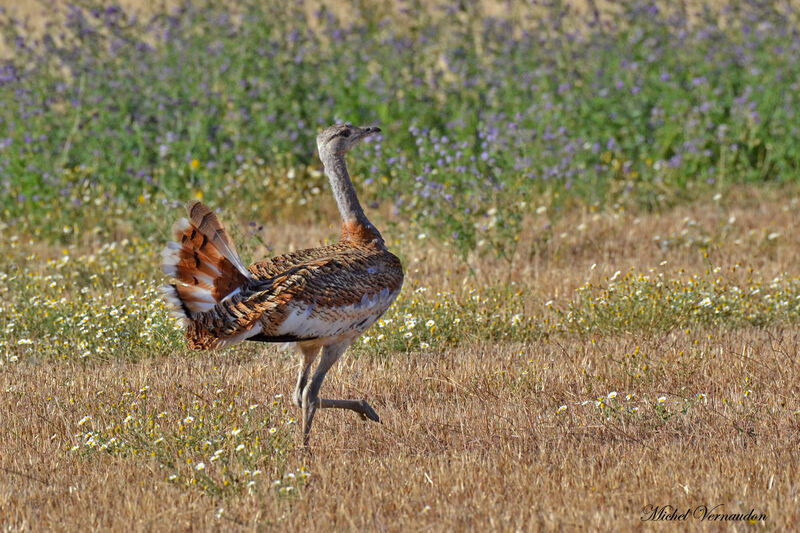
(359,406)
(312,401)
(330,354)
(308,356)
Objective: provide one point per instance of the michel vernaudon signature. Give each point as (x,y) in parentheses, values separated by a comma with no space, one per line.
(703,512)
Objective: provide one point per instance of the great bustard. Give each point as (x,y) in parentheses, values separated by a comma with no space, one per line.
(319,298)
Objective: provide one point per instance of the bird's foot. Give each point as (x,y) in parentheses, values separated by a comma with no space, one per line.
(359,406)
(367,412)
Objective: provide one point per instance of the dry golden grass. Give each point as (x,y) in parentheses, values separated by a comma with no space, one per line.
(472,437)
(37,11)
(475,448)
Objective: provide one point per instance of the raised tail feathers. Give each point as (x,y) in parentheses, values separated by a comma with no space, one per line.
(204,261)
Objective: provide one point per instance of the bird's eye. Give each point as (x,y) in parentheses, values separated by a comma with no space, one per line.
(345,133)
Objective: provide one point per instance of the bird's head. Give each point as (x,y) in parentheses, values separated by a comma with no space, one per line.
(340,138)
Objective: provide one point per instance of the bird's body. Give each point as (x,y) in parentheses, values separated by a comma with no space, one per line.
(319,298)
(319,294)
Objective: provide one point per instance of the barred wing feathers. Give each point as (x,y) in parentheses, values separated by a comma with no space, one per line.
(322,293)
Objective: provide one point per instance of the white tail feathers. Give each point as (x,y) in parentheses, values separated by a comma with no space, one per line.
(204,261)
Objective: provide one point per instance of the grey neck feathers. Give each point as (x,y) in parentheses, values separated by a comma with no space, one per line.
(345,194)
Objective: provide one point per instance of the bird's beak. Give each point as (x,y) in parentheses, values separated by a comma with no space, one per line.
(369,130)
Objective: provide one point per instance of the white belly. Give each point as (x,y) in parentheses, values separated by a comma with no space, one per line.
(334,324)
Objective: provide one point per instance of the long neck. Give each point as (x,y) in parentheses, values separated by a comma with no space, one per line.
(355,224)
(343,190)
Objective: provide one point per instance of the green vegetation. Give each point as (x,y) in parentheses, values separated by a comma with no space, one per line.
(485,118)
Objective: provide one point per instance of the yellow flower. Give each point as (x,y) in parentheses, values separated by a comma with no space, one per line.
(194,164)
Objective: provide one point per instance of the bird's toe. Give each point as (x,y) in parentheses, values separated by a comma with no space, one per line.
(368,412)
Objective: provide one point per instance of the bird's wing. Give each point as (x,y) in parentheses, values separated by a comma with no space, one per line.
(333,296)
(324,297)
(278,265)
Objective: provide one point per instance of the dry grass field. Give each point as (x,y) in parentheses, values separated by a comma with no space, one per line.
(474,437)
(626,358)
